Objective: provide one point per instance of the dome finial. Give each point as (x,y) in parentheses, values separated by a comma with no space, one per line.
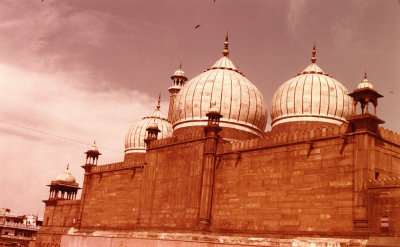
(225,52)
(180,65)
(159,101)
(314,59)
(67,166)
(365,75)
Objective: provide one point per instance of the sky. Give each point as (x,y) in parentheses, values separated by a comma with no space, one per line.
(72,72)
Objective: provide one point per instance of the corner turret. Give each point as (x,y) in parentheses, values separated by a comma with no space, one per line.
(365,94)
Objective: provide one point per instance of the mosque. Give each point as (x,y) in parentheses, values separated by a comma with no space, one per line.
(326,174)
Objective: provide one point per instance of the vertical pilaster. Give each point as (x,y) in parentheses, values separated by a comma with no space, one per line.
(85,185)
(210,148)
(364,158)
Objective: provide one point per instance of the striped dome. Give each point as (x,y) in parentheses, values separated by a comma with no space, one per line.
(311,95)
(134,141)
(240,103)
(365,83)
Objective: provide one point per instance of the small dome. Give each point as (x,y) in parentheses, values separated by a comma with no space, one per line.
(93,148)
(238,100)
(179,72)
(134,140)
(311,95)
(214,109)
(153,125)
(365,83)
(65,176)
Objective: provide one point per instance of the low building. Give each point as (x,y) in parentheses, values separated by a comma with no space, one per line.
(18,230)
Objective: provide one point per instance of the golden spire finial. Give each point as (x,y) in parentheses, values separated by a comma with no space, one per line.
(365,75)
(314,51)
(159,101)
(67,166)
(180,65)
(225,52)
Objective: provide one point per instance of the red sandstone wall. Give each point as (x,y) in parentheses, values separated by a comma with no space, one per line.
(384,193)
(286,189)
(384,203)
(57,220)
(112,199)
(387,159)
(171,188)
(62,214)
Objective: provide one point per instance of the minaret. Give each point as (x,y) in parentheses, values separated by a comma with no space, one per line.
(152,133)
(92,156)
(178,81)
(364,126)
(365,94)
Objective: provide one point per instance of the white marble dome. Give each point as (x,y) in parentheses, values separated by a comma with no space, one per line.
(365,83)
(311,95)
(240,103)
(179,72)
(65,176)
(134,140)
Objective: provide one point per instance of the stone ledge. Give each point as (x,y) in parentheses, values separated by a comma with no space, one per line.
(150,239)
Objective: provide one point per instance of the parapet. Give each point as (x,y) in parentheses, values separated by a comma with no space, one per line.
(386,182)
(281,138)
(389,135)
(118,165)
(177,139)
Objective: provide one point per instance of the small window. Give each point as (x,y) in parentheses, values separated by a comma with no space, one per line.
(377,175)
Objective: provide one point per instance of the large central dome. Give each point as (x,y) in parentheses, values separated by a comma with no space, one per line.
(240,103)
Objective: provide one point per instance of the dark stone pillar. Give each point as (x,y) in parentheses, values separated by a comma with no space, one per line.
(210,149)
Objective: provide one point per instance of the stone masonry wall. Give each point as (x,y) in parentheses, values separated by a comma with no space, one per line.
(286,188)
(384,189)
(112,198)
(171,188)
(58,219)
(62,214)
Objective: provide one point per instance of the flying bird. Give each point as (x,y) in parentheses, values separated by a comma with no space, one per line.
(196,26)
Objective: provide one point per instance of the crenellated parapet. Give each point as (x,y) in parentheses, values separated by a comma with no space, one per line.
(281,138)
(389,135)
(119,165)
(385,182)
(177,139)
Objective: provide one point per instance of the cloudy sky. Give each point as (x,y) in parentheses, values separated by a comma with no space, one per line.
(72,72)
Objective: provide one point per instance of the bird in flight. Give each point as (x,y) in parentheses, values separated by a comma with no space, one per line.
(196,26)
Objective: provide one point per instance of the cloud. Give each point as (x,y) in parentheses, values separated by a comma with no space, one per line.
(67,118)
(295,16)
